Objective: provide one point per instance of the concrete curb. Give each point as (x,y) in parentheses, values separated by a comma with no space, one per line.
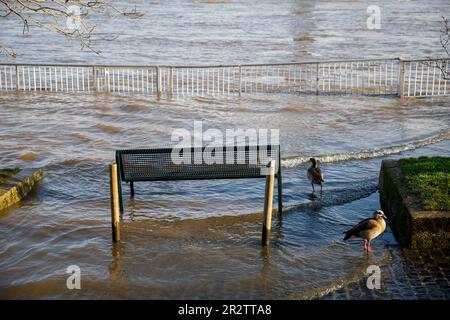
(18,186)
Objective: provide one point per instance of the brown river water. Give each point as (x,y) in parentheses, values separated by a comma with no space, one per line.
(201,239)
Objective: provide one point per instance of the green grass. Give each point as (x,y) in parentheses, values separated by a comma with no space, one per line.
(6,173)
(429,179)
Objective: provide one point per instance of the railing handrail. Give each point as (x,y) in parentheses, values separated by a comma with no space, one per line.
(27,64)
(425,59)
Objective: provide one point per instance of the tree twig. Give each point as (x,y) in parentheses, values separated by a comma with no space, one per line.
(37,13)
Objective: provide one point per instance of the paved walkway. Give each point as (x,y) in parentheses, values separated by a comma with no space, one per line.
(413,274)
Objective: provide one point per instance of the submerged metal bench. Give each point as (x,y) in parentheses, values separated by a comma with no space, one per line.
(195,163)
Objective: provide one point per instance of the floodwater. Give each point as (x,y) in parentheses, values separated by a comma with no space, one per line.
(201,239)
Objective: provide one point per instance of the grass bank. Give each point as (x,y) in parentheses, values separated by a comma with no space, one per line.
(429,179)
(5,174)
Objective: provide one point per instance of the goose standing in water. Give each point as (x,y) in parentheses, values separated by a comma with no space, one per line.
(315,174)
(368,229)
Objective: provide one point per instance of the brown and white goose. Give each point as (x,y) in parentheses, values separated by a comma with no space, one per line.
(368,229)
(315,174)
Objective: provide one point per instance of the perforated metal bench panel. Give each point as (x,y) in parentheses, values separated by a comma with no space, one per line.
(200,163)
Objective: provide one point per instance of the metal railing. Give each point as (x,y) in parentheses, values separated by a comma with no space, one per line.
(404,78)
(423,78)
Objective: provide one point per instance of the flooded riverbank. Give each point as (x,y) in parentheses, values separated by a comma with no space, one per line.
(190,239)
(201,239)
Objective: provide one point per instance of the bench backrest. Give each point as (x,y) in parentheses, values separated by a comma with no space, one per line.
(193,163)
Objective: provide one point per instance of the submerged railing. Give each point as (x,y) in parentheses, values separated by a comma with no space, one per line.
(404,78)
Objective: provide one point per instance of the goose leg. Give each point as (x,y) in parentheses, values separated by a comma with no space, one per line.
(365,245)
(321,187)
(369,247)
(312,184)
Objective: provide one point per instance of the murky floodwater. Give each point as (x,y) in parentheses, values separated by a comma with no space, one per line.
(242,31)
(191,239)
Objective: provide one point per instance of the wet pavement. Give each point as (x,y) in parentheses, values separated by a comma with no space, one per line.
(412,275)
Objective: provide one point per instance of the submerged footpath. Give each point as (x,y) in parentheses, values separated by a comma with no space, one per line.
(413,274)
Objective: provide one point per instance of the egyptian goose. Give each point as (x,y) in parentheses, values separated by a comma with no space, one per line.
(368,229)
(315,174)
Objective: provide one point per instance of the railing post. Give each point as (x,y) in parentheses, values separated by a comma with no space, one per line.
(158,82)
(170,84)
(115,219)
(106,80)
(17,78)
(240,81)
(317,78)
(94,79)
(268,203)
(401,78)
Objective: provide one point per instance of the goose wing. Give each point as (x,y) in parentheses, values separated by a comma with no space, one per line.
(364,225)
(316,174)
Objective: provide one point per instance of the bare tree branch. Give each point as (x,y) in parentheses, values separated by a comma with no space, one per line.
(445,43)
(442,64)
(445,35)
(9,52)
(66,17)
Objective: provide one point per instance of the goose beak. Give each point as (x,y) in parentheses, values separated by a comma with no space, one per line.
(383,216)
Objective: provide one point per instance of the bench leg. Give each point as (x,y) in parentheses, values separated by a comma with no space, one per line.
(268,204)
(280,194)
(115,218)
(280,187)
(119,181)
(131,189)
(119,187)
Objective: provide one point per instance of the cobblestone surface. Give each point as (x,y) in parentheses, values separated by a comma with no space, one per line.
(413,274)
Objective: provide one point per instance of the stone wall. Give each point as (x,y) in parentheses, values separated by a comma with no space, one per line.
(18,186)
(413,227)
